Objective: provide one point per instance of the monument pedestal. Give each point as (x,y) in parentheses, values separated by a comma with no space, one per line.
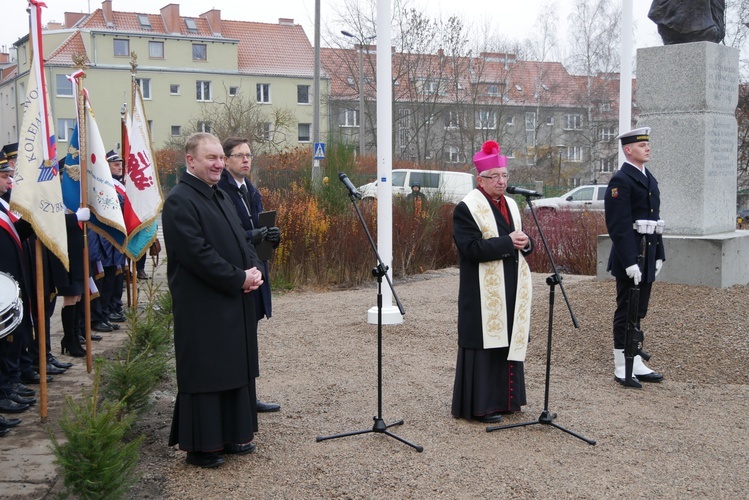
(687,93)
(719,260)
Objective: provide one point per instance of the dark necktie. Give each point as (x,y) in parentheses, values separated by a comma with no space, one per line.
(246,198)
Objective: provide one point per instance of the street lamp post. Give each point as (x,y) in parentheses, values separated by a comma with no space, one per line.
(561,148)
(361,41)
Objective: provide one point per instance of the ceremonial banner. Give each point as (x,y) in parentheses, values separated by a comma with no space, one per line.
(101,197)
(36,193)
(143,201)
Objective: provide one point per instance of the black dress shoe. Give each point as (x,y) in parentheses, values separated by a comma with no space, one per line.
(4,431)
(650,377)
(267,407)
(116,318)
(633,383)
(491,418)
(53,370)
(8,406)
(58,363)
(33,378)
(22,390)
(94,337)
(114,326)
(204,459)
(7,423)
(142,275)
(101,326)
(239,449)
(21,400)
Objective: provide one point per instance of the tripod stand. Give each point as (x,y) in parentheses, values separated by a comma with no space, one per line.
(546,417)
(381,270)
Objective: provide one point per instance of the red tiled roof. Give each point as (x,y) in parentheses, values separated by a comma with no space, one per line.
(272,49)
(263,49)
(63,55)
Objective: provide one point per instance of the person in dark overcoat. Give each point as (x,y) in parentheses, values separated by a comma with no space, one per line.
(249,204)
(633,195)
(211,270)
(494,298)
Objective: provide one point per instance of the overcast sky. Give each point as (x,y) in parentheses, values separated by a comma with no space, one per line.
(514,19)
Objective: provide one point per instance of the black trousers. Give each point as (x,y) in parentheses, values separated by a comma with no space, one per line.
(623,286)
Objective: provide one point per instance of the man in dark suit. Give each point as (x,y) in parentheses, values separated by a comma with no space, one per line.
(633,195)
(248,203)
(211,270)
(494,299)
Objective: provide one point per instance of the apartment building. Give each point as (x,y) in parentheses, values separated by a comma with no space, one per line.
(187,68)
(553,126)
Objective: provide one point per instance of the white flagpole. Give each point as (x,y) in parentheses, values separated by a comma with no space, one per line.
(625,74)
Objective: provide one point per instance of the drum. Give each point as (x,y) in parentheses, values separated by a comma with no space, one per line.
(11,305)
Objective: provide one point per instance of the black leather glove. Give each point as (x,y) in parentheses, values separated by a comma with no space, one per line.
(274,235)
(257,235)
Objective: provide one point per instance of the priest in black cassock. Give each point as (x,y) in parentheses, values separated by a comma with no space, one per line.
(211,269)
(494,300)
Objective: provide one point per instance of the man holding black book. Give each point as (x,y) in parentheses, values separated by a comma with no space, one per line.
(249,204)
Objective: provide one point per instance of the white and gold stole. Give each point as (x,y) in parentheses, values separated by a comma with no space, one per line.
(492,284)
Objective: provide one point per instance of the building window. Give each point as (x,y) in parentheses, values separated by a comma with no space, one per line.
(204,127)
(404,128)
(608,133)
(263,92)
(302,94)
(349,118)
(431,87)
(573,122)
(192,27)
(486,120)
(304,132)
(176,130)
(145,87)
(492,89)
(199,52)
(604,107)
(144,22)
(156,50)
(64,130)
(452,155)
(452,119)
(530,128)
(174,89)
(233,91)
(266,132)
(203,91)
(63,86)
(509,153)
(510,120)
(608,165)
(574,153)
(550,121)
(121,47)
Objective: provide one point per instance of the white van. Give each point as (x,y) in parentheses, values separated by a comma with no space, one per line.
(448,186)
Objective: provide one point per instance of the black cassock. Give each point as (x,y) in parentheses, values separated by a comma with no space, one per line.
(214,321)
(485,381)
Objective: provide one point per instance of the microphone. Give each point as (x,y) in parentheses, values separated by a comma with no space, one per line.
(524,192)
(352,191)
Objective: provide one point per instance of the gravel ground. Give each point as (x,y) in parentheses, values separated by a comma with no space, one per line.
(685,437)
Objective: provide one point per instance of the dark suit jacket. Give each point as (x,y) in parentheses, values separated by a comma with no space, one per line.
(631,196)
(472,250)
(263,298)
(215,334)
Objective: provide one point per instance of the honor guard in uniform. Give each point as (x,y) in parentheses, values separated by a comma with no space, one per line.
(632,196)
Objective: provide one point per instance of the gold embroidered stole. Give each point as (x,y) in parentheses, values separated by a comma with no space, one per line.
(492,284)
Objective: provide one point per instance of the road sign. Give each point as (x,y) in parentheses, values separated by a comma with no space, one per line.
(319,151)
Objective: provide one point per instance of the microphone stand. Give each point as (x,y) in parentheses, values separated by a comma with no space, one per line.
(546,417)
(378,272)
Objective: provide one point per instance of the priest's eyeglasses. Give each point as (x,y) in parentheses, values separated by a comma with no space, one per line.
(495,177)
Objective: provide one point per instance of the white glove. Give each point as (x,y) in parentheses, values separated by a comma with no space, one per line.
(658,266)
(83,214)
(634,273)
